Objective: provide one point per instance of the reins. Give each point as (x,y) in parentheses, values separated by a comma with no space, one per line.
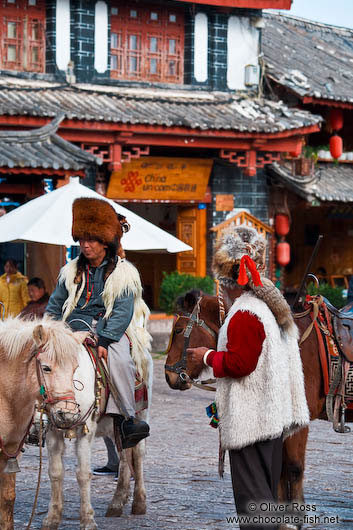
(180,366)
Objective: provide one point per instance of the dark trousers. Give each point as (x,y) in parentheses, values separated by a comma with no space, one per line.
(256,471)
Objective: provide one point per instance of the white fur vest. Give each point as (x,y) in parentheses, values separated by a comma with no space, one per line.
(125,278)
(271,400)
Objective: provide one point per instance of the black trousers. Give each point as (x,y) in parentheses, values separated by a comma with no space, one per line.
(256,471)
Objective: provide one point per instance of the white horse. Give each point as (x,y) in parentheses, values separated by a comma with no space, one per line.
(85,394)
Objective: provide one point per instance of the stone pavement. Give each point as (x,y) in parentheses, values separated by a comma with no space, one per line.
(183,488)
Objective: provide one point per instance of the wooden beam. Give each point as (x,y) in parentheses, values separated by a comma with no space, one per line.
(327,102)
(89,129)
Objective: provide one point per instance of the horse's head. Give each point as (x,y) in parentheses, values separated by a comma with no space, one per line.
(56,355)
(197,328)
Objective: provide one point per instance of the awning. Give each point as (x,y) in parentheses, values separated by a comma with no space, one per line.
(48,219)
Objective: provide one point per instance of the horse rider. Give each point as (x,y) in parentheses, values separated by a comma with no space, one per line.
(102,290)
(260,394)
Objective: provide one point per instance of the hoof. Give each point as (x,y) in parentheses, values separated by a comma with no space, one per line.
(138,509)
(91,525)
(114,512)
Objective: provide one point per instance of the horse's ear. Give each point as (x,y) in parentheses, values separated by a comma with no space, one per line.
(190,300)
(39,335)
(80,336)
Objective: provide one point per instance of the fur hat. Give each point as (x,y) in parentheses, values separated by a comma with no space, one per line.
(234,243)
(231,247)
(96,219)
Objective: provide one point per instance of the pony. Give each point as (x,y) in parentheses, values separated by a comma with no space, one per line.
(89,425)
(180,372)
(38,359)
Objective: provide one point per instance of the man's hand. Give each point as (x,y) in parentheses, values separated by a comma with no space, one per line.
(196,354)
(102,352)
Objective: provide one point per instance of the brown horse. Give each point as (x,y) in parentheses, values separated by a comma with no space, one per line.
(178,363)
(38,359)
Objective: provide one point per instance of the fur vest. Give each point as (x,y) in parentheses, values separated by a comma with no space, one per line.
(269,401)
(124,279)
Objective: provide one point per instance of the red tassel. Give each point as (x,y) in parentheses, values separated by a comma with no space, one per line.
(250,264)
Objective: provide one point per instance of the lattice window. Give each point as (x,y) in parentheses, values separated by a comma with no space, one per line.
(147,43)
(22,35)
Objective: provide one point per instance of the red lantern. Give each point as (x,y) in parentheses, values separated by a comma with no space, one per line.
(282,224)
(283,254)
(336,146)
(336,119)
(297,151)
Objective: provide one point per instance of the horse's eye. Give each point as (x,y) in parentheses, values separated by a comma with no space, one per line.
(46,368)
(178,330)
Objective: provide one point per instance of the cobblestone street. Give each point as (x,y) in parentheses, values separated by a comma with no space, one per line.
(183,488)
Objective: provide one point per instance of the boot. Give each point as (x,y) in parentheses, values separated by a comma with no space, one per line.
(132,430)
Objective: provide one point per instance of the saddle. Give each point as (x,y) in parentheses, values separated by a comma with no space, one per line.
(342,323)
(334,331)
(103,381)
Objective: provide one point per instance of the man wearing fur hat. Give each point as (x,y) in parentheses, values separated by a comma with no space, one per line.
(260,384)
(100,290)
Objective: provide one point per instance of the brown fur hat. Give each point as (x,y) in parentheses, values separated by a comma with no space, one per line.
(96,219)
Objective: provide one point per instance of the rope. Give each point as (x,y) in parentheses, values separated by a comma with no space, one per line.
(39,470)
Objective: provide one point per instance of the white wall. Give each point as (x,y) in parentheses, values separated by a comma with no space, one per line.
(243,49)
(201,48)
(101,37)
(62,31)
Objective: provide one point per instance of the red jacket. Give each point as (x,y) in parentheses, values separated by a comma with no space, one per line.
(245,336)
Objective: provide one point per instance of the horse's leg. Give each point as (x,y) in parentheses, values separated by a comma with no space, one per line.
(296,464)
(291,485)
(56,448)
(7,500)
(139,500)
(121,495)
(83,474)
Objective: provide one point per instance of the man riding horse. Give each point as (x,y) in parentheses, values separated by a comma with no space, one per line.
(260,386)
(101,291)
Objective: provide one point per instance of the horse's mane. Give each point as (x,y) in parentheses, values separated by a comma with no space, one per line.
(16,334)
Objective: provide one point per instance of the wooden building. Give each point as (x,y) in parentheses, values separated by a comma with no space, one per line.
(170,95)
(309,65)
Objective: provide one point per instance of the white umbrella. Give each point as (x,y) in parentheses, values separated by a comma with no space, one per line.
(48,219)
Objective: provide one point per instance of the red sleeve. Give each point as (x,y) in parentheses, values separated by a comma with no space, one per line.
(245,336)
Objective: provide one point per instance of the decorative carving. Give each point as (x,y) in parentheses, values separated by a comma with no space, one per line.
(103,151)
(136,152)
(250,160)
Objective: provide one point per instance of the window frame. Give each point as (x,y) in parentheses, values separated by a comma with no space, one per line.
(146,28)
(26,17)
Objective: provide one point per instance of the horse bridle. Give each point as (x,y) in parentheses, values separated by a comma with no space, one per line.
(47,398)
(180,366)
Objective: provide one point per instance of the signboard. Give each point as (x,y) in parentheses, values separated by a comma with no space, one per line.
(161,178)
(224,203)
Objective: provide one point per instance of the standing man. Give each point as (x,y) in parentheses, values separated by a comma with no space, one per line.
(101,289)
(260,384)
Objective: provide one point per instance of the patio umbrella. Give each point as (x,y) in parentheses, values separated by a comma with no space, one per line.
(48,219)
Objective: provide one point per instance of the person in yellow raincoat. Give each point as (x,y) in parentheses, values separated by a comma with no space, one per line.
(13,290)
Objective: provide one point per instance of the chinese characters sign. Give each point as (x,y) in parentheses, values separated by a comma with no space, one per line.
(161,178)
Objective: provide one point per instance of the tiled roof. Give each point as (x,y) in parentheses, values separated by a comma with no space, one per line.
(330,182)
(194,109)
(309,58)
(42,148)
